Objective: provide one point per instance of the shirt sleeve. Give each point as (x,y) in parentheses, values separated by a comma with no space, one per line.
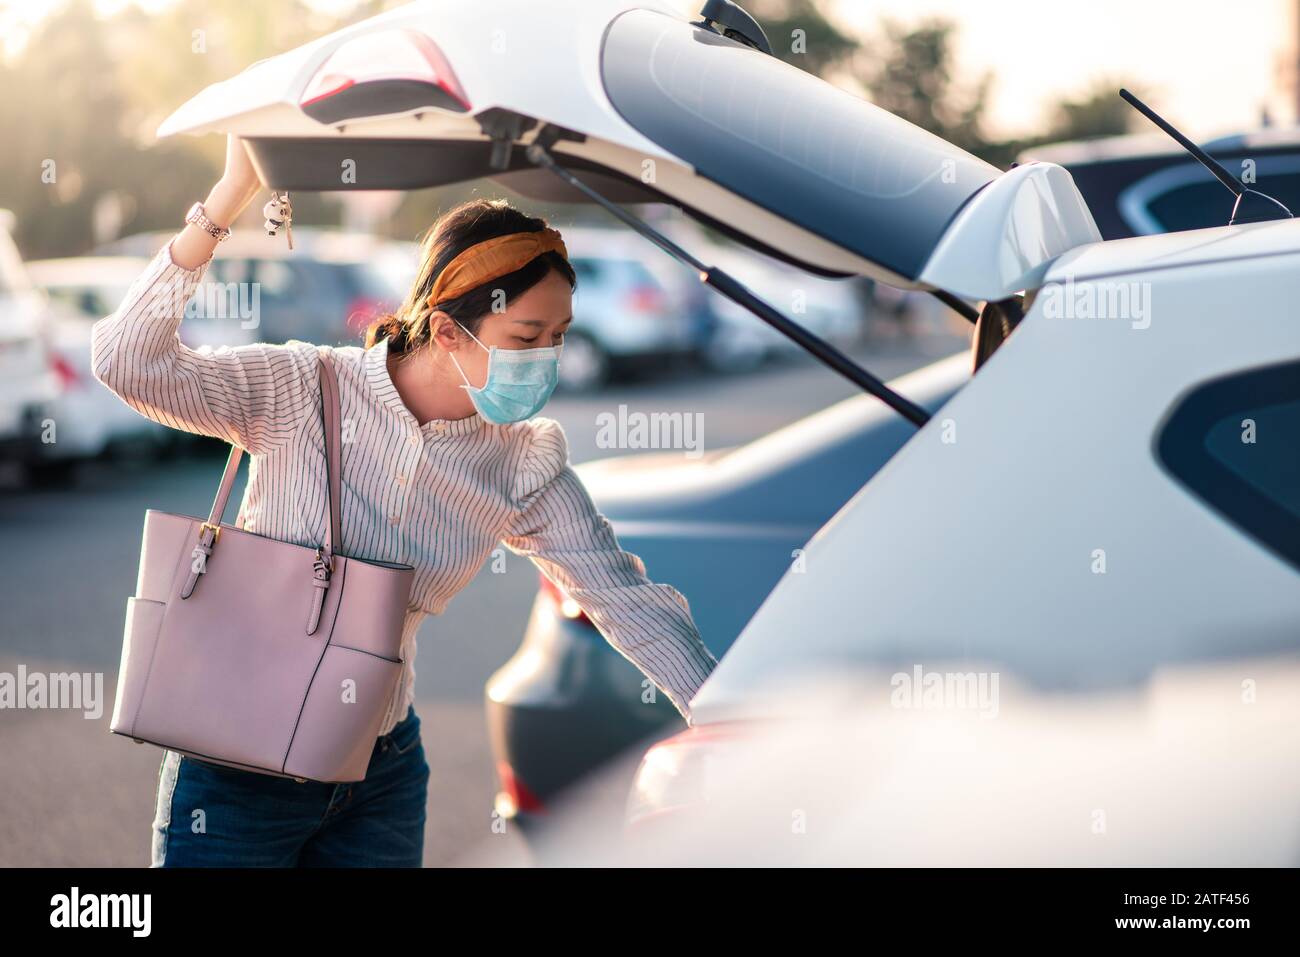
(252,396)
(557,526)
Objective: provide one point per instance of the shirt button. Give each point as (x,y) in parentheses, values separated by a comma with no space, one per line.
(401,480)
(394,519)
(415,439)
(440,427)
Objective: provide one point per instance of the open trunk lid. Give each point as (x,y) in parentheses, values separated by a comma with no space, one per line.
(653,108)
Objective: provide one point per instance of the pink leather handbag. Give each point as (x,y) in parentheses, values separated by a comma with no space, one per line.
(260,654)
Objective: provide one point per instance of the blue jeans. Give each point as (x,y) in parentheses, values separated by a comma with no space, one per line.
(208,815)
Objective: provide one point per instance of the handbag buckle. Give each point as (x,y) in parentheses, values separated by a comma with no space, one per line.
(323,565)
(216,530)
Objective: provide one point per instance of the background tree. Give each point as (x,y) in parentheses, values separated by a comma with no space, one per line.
(1098,111)
(909,71)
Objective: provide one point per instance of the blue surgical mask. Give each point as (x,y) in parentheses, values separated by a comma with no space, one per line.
(519,381)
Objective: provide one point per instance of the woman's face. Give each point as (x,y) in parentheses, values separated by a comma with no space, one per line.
(536,319)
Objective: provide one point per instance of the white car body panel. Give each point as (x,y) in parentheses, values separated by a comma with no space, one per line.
(1009,232)
(1183,773)
(27,385)
(888,579)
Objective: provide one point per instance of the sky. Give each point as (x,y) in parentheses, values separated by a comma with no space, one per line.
(1199,71)
(1206,75)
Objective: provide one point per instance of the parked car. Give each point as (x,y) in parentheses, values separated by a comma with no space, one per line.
(326,289)
(738,340)
(1082,513)
(625,317)
(1144,183)
(398,262)
(91,420)
(29,377)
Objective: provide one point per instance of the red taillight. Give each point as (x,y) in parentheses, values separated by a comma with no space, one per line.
(564,606)
(325,84)
(402,54)
(675,774)
(645,299)
(63,371)
(515,794)
(362,310)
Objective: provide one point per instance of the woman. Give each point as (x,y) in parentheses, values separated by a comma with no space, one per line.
(440,462)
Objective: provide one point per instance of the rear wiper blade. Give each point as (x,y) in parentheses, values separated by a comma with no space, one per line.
(739,294)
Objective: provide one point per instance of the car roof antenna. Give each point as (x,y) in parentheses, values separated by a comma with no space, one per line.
(1252,206)
(538,154)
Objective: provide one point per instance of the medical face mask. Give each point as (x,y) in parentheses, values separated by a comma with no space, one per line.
(519,381)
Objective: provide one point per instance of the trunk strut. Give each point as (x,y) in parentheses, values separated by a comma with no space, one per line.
(738,293)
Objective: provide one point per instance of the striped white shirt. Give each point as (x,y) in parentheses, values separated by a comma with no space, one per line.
(437,496)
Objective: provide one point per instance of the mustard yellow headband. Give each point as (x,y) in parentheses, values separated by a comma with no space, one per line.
(492,259)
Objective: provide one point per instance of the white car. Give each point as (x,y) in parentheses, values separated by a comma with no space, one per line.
(626,317)
(1115,531)
(29,381)
(1110,500)
(91,420)
(828,307)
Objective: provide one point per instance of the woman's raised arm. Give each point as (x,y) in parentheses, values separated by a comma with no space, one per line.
(252,396)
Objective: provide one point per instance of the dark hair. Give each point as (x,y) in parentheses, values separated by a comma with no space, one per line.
(455,231)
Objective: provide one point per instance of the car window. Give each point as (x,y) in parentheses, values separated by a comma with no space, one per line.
(1273,467)
(1203,205)
(587,270)
(789,142)
(1235,442)
(1188,197)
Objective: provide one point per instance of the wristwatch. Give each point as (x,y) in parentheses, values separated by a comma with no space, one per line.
(199,218)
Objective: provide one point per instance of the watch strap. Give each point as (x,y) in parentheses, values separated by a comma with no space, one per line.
(199,217)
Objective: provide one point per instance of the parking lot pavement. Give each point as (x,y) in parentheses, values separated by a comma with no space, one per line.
(72,794)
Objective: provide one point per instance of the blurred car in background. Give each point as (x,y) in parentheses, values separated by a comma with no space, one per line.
(398,261)
(325,290)
(29,380)
(91,420)
(738,340)
(626,317)
(729,338)
(1145,183)
(722,529)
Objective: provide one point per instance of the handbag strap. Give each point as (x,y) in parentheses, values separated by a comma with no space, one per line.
(333,452)
(323,567)
(329,398)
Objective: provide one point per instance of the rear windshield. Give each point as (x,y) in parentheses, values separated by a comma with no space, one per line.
(789,142)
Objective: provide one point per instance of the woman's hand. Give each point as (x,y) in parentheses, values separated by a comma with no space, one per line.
(240,178)
(229,197)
